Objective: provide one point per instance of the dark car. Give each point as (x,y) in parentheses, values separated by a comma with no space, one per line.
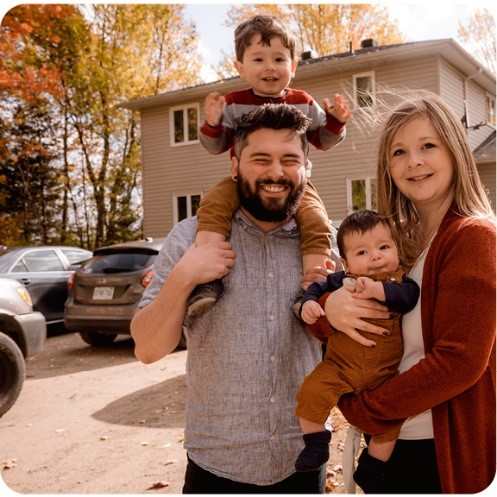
(44,271)
(105,291)
(22,334)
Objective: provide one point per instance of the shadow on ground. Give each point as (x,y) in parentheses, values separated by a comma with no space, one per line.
(159,406)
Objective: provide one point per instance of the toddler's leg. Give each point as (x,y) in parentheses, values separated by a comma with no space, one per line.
(317,446)
(310,261)
(214,224)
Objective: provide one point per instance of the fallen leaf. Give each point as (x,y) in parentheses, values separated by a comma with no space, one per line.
(9,464)
(144,443)
(104,437)
(159,484)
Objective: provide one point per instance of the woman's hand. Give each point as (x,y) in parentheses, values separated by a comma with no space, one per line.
(346,314)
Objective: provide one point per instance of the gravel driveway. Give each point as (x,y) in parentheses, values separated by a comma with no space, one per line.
(97,421)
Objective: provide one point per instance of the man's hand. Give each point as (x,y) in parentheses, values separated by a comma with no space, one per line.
(346,314)
(206,262)
(339,109)
(213,109)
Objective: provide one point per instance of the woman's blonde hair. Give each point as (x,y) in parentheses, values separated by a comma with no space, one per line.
(470,198)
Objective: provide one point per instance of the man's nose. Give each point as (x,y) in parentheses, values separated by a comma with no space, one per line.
(276,170)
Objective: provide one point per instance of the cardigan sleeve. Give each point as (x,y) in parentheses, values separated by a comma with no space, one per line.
(458,320)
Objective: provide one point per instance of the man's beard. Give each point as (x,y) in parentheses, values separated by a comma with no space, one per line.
(270,209)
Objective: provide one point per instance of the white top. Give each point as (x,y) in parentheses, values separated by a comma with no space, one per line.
(421,426)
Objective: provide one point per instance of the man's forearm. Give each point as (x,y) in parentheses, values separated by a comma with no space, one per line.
(156,328)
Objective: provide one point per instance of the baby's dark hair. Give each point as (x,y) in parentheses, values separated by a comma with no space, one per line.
(360,222)
(271,116)
(268,27)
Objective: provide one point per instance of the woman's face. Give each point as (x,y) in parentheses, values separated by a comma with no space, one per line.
(420,166)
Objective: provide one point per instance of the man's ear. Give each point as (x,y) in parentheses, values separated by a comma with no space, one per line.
(234,169)
(239,68)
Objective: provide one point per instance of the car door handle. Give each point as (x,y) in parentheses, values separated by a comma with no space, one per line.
(25,281)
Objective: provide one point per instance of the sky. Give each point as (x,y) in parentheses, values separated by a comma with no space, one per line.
(418,21)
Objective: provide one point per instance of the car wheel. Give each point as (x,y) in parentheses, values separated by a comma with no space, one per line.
(12,372)
(97,339)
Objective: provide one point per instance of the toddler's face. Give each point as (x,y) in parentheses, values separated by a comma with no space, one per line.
(267,69)
(371,252)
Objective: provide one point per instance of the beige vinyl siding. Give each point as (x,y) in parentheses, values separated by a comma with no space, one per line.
(169,171)
(190,170)
(487,175)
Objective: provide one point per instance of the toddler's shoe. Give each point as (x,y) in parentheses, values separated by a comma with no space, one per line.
(370,474)
(316,451)
(204,297)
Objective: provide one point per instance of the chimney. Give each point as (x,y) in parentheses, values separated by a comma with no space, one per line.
(309,54)
(369,43)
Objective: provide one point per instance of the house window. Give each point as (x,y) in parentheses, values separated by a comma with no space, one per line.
(364,89)
(185,206)
(361,194)
(490,109)
(184,124)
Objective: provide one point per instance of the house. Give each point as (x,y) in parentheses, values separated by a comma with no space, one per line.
(177,169)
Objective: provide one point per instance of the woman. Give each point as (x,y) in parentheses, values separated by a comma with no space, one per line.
(445,393)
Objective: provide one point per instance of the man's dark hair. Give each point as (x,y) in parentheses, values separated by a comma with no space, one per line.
(268,27)
(271,116)
(359,222)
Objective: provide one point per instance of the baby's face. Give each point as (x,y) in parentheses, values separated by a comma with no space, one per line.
(371,252)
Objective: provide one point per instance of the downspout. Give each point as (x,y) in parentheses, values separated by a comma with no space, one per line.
(465,93)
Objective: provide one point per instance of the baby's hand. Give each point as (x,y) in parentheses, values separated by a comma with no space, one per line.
(366,288)
(213,109)
(339,110)
(311,311)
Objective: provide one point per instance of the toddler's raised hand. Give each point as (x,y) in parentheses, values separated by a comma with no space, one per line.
(213,109)
(339,109)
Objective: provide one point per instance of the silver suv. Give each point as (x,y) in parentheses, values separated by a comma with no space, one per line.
(104,293)
(22,334)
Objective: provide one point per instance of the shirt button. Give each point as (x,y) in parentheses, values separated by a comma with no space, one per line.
(272,437)
(270,275)
(272,400)
(272,358)
(271,317)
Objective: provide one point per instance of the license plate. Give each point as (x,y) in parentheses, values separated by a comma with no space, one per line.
(103,293)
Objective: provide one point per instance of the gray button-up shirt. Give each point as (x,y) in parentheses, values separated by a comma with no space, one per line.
(246,357)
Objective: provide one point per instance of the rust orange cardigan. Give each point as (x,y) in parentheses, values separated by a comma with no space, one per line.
(456,379)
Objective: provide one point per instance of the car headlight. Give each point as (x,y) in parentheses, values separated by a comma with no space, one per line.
(23,292)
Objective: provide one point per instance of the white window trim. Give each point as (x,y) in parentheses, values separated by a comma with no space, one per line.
(369,198)
(491,97)
(171,124)
(188,204)
(371,74)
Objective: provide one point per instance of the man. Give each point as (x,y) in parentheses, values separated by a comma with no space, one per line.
(249,354)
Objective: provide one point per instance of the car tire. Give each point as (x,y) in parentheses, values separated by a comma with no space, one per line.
(98,339)
(12,372)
